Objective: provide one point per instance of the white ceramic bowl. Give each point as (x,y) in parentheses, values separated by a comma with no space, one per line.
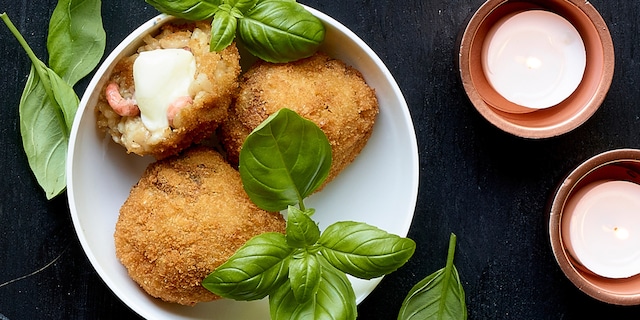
(379,188)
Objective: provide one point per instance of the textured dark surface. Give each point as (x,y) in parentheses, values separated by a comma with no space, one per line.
(488,187)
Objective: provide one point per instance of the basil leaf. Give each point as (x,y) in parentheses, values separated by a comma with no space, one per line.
(76,39)
(304,274)
(364,251)
(281,31)
(223,30)
(284,160)
(301,232)
(256,269)
(438,296)
(334,300)
(44,136)
(187,9)
(47,108)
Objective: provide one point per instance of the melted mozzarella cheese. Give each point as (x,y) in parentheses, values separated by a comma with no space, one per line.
(160,77)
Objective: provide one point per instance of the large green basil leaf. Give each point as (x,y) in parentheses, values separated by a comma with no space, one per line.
(364,251)
(44,136)
(256,269)
(47,108)
(281,31)
(334,300)
(302,231)
(187,9)
(76,39)
(304,275)
(438,296)
(284,160)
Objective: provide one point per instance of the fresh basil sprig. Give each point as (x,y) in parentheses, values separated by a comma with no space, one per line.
(304,272)
(76,42)
(272,30)
(438,296)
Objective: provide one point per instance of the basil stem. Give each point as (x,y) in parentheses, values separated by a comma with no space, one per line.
(438,296)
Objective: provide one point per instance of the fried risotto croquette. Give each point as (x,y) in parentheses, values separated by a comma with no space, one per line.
(322,89)
(190,116)
(186,216)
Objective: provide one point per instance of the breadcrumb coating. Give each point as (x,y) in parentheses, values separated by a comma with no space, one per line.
(215,83)
(186,216)
(322,89)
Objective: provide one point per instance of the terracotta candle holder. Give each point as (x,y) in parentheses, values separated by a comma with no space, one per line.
(562,117)
(618,212)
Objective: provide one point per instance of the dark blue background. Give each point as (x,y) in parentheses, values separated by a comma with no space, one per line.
(488,187)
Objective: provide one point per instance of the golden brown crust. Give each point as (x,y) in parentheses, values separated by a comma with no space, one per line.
(212,91)
(322,89)
(185,217)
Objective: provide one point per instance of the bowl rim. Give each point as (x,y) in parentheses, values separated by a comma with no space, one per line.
(155,22)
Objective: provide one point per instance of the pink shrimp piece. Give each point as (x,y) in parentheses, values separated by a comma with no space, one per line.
(124,107)
(176,106)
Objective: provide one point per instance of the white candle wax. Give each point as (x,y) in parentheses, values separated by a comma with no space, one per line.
(535,59)
(601,227)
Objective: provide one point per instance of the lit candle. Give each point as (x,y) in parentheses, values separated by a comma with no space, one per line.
(535,59)
(601,228)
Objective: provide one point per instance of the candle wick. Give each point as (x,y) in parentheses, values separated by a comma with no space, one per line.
(533,63)
(621,233)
